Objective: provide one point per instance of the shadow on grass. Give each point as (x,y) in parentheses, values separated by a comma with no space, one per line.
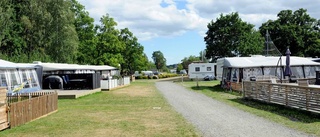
(216,88)
(291,113)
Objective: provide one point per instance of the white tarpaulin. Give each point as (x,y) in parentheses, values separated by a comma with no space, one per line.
(261,61)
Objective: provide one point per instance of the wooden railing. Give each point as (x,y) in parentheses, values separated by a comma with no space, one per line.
(38,105)
(3,109)
(25,107)
(292,95)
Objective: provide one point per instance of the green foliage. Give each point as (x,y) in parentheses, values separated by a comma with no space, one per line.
(159,60)
(109,45)
(179,68)
(62,31)
(37,28)
(228,36)
(296,30)
(134,58)
(188,60)
(84,26)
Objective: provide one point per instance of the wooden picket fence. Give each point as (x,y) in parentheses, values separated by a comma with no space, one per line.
(295,96)
(25,107)
(3,109)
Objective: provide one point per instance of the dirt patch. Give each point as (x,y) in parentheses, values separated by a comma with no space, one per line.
(135,91)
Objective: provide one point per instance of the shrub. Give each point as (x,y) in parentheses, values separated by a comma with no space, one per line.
(155,77)
(139,77)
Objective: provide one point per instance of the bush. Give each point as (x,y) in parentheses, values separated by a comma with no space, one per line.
(155,77)
(139,77)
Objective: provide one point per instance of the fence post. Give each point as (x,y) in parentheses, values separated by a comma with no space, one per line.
(307,99)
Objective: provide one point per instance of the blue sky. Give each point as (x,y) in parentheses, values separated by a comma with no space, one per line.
(177,27)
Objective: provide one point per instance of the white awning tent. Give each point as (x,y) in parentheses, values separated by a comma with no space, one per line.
(63,66)
(262,61)
(10,65)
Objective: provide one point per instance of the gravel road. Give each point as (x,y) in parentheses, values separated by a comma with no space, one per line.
(215,119)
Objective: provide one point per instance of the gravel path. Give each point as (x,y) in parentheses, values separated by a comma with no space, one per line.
(215,119)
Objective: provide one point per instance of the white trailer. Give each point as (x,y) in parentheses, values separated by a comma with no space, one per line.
(200,70)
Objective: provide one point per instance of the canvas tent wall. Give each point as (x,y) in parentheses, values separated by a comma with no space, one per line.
(237,68)
(200,70)
(16,76)
(90,75)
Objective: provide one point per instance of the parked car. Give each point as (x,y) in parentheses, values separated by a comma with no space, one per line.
(208,78)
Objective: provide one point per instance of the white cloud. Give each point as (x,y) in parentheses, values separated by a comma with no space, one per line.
(165,18)
(147,19)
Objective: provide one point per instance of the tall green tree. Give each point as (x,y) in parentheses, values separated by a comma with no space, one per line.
(39,30)
(6,13)
(159,60)
(228,36)
(109,46)
(65,40)
(84,26)
(296,30)
(134,58)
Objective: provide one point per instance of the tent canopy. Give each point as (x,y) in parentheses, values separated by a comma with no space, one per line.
(63,66)
(262,61)
(10,65)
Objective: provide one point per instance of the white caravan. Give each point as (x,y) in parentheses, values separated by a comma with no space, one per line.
(200,70)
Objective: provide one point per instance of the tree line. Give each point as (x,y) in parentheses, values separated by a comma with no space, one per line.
(229,36)
(62,31)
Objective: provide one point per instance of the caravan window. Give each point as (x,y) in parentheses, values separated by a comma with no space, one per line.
(197,68)
(310,71)
(297,71)
(3,80)
(208,68)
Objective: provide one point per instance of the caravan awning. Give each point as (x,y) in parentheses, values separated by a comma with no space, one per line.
(10,65)
(63,66)
(262,61)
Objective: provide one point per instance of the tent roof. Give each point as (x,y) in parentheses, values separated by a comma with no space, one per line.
(262,61)
(10,65)
(63,66)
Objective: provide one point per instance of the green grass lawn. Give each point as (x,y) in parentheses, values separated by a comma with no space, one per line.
(301,120)
(136,110)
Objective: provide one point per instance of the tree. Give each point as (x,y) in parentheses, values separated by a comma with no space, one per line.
(202,56)
(296,30)
(188,60)
(38,30)
(228,36)
(84,26)
(159,59)
(109,46)
(179,68)
(64,45)
(134,58)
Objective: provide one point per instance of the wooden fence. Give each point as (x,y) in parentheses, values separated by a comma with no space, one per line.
(292,95)
(25,107)
(3,109)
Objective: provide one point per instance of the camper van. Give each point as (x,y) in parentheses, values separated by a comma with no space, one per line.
(200,70)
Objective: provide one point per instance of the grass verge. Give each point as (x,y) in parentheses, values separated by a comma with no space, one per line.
(136,110)
(300,120)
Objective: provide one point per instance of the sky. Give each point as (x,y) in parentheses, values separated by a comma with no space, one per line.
(177,27)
